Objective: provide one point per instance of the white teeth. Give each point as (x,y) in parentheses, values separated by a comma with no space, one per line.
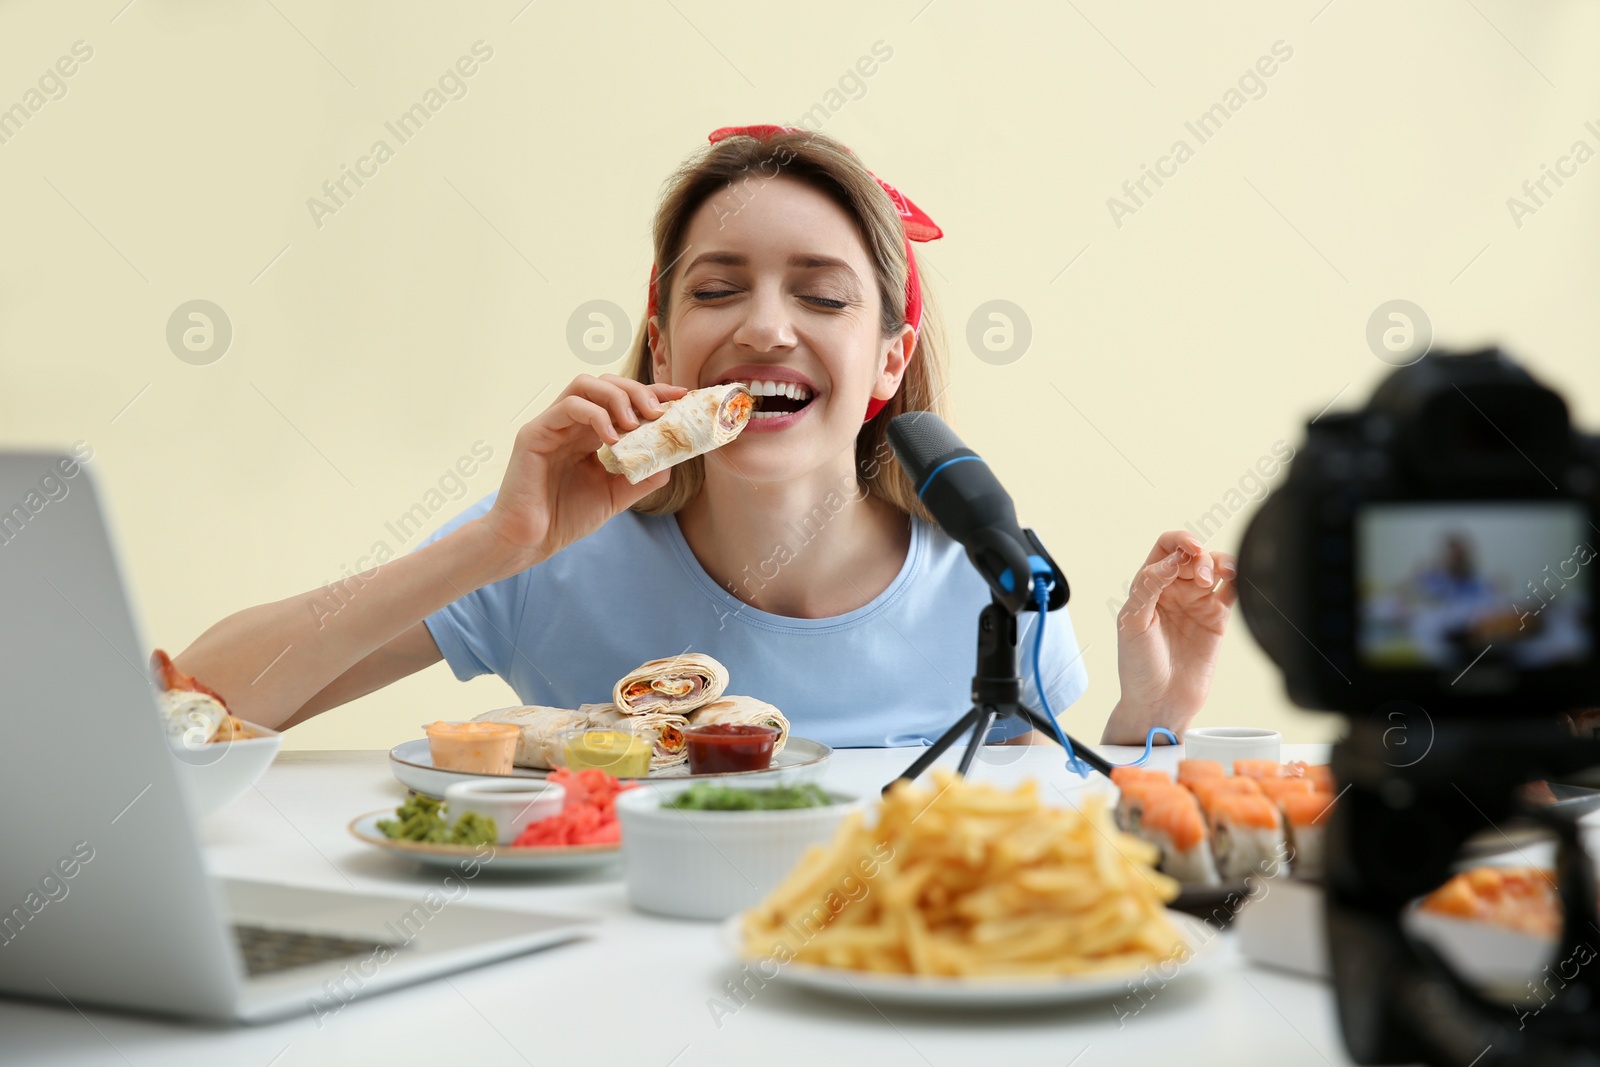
(765,414)
(764,387)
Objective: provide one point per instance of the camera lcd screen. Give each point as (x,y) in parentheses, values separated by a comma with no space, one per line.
(1448,585)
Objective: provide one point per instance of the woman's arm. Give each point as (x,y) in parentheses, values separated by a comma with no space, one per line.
(278,664)
(1168,636)
(271,661)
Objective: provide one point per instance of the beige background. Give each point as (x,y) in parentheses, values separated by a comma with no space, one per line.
(430,312)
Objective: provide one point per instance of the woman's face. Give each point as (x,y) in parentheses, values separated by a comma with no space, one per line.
(774,288)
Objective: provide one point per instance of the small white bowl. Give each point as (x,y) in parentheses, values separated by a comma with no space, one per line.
(713,864)
(511,804)
(1228,743)
(221,772)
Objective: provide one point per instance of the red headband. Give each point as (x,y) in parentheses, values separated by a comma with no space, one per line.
(916,223)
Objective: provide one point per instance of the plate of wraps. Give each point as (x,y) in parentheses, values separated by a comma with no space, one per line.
(663,696)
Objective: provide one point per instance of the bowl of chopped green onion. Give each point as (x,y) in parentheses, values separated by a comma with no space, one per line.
(709,850)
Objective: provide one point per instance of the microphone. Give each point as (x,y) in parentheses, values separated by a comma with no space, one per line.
(973,508)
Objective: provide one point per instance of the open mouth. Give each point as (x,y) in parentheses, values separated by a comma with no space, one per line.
(777,398)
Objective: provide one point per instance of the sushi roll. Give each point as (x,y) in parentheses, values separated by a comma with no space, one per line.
(1246,837)
(1206,791)
(1191,771)
(1318,774)
(1257,768)
(1136,793)
(1121,776)
(1307,816)
(1278,788)
(1173,823)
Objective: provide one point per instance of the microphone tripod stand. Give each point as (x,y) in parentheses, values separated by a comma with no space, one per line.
(997,693)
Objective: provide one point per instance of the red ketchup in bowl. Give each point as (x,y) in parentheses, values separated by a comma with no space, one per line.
(720,748)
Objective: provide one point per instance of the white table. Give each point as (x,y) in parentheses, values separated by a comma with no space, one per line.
(637,992)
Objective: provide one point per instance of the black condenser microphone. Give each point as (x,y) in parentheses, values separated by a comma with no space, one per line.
(973,508)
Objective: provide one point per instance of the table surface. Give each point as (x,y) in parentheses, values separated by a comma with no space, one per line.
(638,991)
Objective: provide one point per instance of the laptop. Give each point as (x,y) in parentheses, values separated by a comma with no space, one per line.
(104,895)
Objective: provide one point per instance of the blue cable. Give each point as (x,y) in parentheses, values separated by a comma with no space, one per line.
(1041,597)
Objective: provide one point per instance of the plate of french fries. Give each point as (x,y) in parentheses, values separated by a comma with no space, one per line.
(962,893)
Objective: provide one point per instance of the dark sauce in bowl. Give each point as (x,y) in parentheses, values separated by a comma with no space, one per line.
(724,748)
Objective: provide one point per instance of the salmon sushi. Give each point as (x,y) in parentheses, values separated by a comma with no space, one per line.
(1278,788)
(1318,774)
(1207,790)
(1121,776)
(1257,768)
(1246,837)
(1136,792)
(1173,823)
(1198,770)
(1307,816)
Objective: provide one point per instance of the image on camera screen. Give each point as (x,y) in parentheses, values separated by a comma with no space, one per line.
(1443,585)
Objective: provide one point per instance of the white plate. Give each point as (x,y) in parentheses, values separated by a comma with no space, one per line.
(1501,961)
(800,761)
(985,993)
(493,857)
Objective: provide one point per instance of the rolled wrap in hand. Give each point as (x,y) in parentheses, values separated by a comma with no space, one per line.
(691,425)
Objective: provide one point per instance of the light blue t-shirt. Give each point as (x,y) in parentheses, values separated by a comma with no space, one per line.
(896,671)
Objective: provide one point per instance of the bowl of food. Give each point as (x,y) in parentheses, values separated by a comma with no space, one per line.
(472,747)
(620,751)
(512,804)
(225,768)
(728,748)
(222,754)
(709,851)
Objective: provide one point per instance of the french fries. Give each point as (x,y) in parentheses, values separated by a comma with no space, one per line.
(965,879)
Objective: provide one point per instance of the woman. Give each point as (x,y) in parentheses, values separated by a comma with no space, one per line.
(798,555)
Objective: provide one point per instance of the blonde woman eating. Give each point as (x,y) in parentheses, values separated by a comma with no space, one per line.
(797,555)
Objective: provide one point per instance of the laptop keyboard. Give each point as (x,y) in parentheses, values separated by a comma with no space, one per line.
(267,951)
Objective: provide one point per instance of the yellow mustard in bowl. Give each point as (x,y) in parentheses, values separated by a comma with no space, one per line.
(617,752)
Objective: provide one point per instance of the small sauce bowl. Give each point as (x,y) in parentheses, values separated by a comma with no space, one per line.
(473,747)
(623,753)
(723,748)
(512,805)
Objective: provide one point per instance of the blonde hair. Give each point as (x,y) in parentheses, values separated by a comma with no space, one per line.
(828,166)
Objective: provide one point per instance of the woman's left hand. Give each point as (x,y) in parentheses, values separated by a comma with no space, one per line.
(1168,635)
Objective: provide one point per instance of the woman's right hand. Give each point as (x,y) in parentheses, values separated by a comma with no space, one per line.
(555,490)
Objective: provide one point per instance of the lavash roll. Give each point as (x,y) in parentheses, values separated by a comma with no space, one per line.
(671,748)
(691,425)
(540,738)
(677,685)
(743,711)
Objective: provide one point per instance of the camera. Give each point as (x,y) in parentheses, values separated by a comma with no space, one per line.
(1427,570)
(1435,547)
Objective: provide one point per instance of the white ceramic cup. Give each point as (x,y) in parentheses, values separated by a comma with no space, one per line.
(511,804)
(1228,743)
